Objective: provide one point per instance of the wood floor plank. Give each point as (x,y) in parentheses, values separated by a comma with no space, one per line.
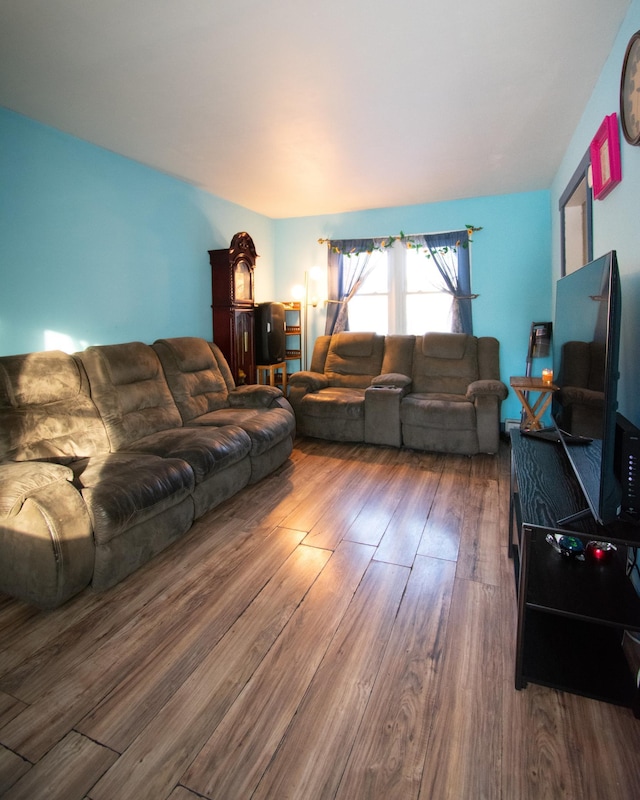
(330,713)
(151,766)
(610,762)
(180,793)
(10,707)
(464,750)
(71,696)
(375,515)
(234,759)
(403,534)
(66,772)
(352,494)
(122,715)
(441,537)
(12,768)
(480,535)
(314,500)
(387,758)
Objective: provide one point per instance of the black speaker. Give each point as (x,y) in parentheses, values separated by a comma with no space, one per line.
(627,464)
(270,333)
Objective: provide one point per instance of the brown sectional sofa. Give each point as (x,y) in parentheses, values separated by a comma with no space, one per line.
(108,456)
(439,392)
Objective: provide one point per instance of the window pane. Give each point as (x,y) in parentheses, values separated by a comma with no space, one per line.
(422,273)
(376,280)
(428,312)
(369,313)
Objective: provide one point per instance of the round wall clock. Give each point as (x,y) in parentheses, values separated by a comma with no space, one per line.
(630,91)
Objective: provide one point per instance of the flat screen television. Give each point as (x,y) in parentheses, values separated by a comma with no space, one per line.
(586,342)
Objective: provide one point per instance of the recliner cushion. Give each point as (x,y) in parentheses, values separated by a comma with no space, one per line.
(444,345)
(438,410)
(122,490)
(46,410)
(130,390)
(444,363)
(264,427)
(206,450)
(354,359)
(193,371)
(334,403)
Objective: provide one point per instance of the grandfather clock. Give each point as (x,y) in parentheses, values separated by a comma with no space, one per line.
(233,305)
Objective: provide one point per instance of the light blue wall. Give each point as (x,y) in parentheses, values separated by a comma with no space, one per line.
(511,269)
(616,219)
(96,248)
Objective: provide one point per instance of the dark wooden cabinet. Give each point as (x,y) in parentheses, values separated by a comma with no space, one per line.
(572,614)
(233,305)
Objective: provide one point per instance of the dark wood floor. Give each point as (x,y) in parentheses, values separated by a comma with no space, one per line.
(345,629)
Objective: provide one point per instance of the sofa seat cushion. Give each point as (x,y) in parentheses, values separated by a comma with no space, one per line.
(438,410)
(264,427)
(122,490)
(206,450)
(336,402)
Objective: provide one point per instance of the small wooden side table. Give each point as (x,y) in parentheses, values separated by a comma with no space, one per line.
(267,374)
(533,413)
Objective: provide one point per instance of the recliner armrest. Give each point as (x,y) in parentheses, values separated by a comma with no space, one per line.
(23,479)
(393,380)
(254,396)
(312,381)
(46,538)
(484,388)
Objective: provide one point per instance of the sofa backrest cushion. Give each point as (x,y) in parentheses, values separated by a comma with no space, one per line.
(398,354)
(354,359)
(46,412)
(445,363)
(197,373)
(319,355)
(130,390)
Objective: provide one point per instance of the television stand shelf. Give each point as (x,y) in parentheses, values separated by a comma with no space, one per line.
(572,614)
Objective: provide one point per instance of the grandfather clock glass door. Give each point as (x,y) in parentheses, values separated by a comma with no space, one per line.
(243,326)
(233,305)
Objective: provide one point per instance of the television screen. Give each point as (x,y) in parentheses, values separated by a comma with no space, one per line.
(586,337)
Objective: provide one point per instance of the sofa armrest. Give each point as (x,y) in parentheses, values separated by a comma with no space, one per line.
(487,388)
(311,381)
(254,396)
(46,539)
(20,480)
(394,380)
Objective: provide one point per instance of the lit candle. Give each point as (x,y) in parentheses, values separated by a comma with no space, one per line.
(547,376)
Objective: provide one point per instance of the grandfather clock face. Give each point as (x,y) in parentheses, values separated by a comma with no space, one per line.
(242,288)
(232,271)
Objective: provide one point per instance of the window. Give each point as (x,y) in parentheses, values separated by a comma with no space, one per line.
(402,293)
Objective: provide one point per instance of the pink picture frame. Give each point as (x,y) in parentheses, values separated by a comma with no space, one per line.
(604,151)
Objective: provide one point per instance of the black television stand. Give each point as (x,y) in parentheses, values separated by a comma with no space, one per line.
(572,614)
(552,435)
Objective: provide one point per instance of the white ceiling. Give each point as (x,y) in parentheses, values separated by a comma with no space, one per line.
(291,107)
